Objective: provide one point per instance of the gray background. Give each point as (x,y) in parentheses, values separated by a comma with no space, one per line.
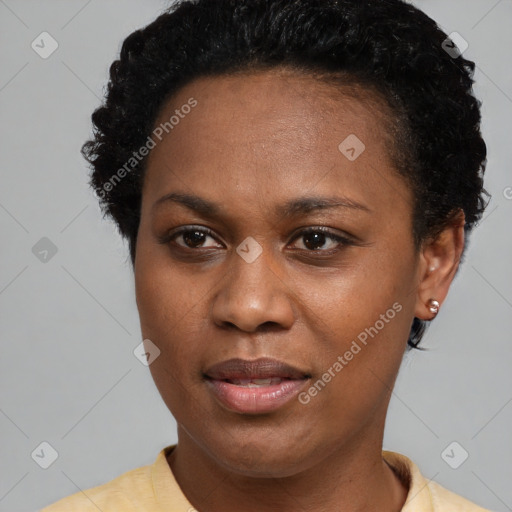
(69,325)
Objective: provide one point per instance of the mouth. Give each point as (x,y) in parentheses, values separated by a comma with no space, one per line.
(254,387)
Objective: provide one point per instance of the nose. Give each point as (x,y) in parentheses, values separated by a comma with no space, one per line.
(253,296)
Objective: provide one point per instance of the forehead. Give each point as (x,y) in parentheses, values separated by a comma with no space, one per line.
(269,130)
(271,101)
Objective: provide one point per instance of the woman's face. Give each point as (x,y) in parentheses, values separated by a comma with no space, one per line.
(338,311)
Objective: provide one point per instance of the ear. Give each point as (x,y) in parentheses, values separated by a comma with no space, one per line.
(439,261)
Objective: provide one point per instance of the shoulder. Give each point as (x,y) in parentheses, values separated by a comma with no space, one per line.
(127,492)
(444,500)
(426,495)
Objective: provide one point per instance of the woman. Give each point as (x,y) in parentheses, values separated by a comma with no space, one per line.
(297,181)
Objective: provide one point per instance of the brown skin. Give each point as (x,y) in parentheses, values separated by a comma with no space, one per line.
(253,142)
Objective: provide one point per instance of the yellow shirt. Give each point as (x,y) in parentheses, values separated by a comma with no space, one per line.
(154,489)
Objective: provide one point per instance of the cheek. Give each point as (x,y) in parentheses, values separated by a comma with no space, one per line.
(165,296)
(353,297)
(167,309)
(362,314)
(167,305)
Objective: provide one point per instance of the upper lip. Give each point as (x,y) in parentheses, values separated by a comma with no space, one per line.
(262,368)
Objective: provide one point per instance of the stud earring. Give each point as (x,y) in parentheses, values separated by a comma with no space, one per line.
(433,306)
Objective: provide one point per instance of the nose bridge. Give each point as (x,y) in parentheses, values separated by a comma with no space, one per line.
(252,293)
(253,266)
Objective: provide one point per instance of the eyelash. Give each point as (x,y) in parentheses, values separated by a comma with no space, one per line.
(344,241)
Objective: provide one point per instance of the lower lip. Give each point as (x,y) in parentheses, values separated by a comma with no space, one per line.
(255,400)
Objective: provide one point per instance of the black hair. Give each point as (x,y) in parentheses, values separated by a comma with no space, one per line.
(387,46)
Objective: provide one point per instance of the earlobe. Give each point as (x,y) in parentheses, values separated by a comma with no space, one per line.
(439,261)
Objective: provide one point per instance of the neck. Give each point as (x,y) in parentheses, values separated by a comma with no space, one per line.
(351,479)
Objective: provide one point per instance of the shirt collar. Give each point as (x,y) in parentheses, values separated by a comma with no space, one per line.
(419,497)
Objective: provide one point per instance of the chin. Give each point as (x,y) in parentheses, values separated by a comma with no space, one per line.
(255,465)
(268,458)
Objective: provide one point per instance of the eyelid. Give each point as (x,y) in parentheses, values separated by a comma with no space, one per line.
(169,236)
(326,231)
(341,239)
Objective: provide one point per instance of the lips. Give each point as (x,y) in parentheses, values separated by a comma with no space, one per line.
(254,387)
(263,368)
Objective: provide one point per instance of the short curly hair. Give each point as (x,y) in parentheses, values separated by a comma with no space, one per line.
(385,46)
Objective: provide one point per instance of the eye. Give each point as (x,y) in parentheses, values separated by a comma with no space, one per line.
(193,237)
(316,237)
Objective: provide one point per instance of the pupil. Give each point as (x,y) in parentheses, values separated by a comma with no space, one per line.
(195,237)
(320,237)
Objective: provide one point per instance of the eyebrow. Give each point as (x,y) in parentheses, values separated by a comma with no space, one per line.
(292,208)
